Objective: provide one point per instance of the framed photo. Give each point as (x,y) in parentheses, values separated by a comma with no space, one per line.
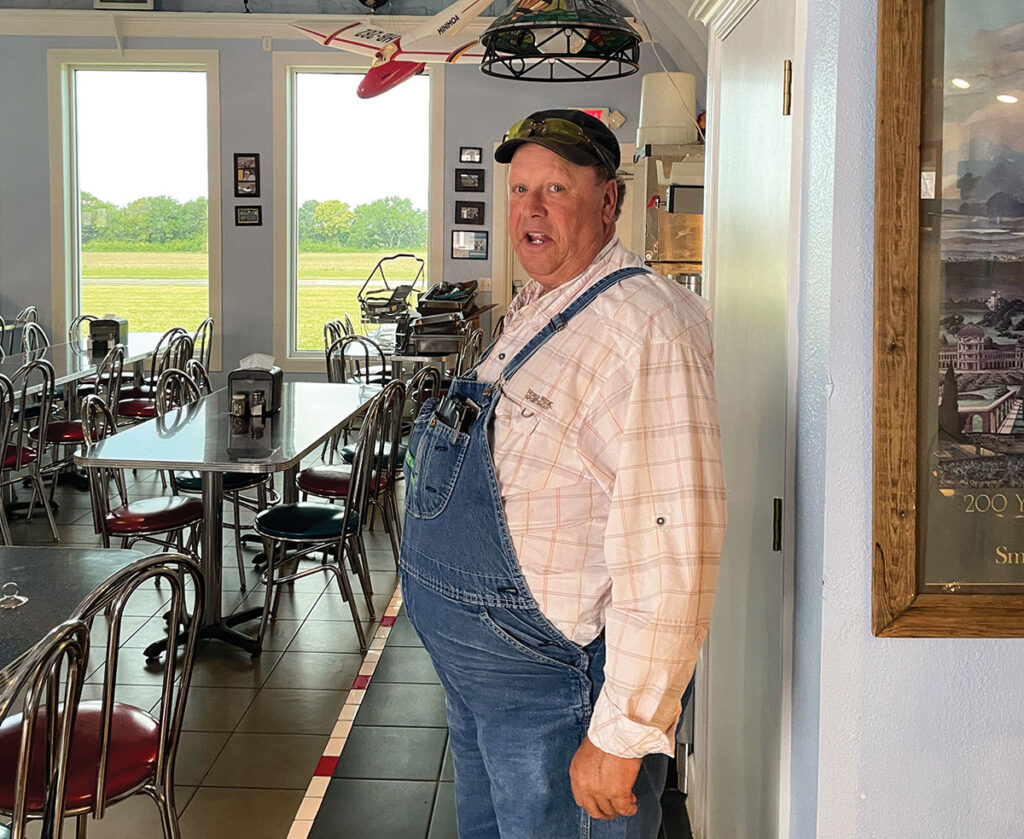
(469,244)
(469,180)
(469,212)
(248,214)
(470,154)
(948,557)
(247,175)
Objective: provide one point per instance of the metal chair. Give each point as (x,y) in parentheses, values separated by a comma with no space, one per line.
(202,342)
(333,331)
(175,389)
(141,405)
(333,482)
(157,363)
(70,433)
(356,359)
(332,530)
(196,371)
(34,339)
(161,520)
(75,328)
(27,315)
(498,328)
(469,353)
(35,741)
(117,749)
(30,398)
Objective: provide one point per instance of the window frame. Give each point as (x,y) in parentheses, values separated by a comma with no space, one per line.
(286,66)
(64,209)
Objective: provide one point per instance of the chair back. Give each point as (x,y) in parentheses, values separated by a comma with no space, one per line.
(33,384)
(156,360)
(27,315)
(202,342)
(48,682)
(389,442)
(109,375)
(75,329)
(424,384)
(347,322)
(356,359)
(469,355)
(34,339)
(197,372)
(498,328)
(175,388)
(98,423)
(173,573)
(333,331)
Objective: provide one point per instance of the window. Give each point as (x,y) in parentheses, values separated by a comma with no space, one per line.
(359,193)
(140,234)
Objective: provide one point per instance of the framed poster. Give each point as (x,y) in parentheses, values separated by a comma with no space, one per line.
(469,244)
(471,154)
(949,323)
(247,175)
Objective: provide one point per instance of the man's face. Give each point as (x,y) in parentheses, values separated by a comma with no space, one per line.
(560,214)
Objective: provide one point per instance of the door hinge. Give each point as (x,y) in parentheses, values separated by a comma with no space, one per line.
(776,524)
(787,87)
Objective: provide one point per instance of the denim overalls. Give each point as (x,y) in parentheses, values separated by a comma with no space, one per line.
(519,693)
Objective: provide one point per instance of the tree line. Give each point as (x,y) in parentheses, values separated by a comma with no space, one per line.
(161,223)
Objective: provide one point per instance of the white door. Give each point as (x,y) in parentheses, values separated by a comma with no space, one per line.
(741,709)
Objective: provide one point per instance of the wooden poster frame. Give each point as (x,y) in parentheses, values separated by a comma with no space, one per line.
(900,605)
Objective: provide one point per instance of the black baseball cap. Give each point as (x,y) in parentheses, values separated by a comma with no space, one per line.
(590,143)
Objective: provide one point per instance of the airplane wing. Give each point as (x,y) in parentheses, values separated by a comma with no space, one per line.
(361,36)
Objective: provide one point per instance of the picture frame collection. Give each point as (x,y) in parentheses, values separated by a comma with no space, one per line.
(470,244)
(247,185)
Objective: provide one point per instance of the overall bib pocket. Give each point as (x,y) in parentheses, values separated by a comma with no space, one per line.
(432,467)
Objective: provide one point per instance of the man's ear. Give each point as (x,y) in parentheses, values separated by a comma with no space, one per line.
(609,200)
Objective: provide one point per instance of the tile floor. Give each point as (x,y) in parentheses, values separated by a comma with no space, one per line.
(310,739)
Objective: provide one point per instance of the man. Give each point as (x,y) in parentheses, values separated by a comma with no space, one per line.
(564,514)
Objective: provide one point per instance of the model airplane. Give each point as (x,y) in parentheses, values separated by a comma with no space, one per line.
(400,50)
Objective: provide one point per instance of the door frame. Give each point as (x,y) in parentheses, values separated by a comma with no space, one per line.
(722,17)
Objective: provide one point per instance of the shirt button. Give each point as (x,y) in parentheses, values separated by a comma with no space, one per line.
(501,356)
(661,519)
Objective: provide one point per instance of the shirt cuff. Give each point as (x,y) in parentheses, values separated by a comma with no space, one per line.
(615,733)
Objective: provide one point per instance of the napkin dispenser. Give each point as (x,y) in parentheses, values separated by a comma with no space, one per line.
(106,333)
(259,385)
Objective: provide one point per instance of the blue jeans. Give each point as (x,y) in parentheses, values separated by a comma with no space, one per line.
(518,708)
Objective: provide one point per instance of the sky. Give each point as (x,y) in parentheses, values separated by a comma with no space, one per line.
(143,133)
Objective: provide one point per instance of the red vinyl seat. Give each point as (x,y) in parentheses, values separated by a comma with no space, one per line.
(134,743)
(153,515)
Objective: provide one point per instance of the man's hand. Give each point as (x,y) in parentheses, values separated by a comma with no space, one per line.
(602,784)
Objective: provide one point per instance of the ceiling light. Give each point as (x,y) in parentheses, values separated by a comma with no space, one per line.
(560,41)
(1007,99)
(963,84)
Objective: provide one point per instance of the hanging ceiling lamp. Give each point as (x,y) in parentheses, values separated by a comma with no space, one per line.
(560,41)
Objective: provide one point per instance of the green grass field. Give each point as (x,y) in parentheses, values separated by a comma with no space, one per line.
(156,302)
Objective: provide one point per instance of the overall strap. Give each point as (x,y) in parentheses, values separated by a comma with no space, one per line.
(559,321)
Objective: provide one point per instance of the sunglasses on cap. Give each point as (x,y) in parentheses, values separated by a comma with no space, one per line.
(560,131)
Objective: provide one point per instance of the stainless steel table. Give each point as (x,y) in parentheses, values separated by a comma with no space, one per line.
(74,361)
(200,438)
(55,581)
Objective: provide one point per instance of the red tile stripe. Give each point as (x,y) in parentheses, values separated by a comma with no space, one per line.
(326,766)
(360,682)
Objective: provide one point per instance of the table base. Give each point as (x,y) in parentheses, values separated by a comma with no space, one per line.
(220,631)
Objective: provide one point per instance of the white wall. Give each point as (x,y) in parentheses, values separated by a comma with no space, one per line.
(916,738)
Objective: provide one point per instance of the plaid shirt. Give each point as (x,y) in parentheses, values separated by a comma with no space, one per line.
(608,457)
